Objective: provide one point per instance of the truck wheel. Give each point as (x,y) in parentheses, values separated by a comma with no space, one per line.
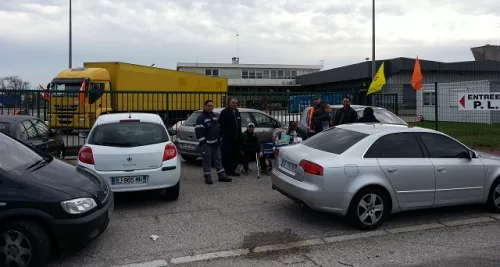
(172,193)
(23,243)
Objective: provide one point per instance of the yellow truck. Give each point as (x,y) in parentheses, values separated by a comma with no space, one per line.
(111,87)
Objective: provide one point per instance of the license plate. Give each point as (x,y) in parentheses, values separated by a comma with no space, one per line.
(188,146)
(288,165)
(129,180)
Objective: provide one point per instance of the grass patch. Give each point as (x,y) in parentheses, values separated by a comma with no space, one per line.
(475,135)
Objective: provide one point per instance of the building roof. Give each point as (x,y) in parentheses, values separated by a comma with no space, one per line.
(247,66)
(362,70)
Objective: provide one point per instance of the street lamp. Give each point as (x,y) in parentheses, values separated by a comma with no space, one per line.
(70,38)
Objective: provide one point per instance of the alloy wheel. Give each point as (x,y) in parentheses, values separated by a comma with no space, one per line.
(370,209)
(15,249)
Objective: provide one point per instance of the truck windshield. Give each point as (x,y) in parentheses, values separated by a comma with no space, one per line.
(65,88)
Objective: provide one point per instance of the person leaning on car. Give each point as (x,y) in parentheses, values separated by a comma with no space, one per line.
(207,130)
(319,117)
(346,114)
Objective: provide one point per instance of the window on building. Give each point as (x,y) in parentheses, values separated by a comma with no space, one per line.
(273,74)
(294,74)
(244,74)
(280,74)
(288,75)
(215,72)
(428,98)
(208,72)
(266,74)
(251,74)
(258,74)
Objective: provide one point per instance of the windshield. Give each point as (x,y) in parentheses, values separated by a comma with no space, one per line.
(129,134)
(191,120)
(65,88)
(334,140)
(385,116)
(15,156)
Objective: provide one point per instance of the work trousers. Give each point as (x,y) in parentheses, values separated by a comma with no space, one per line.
(211,155)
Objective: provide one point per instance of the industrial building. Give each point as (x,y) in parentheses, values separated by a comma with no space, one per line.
(253,77)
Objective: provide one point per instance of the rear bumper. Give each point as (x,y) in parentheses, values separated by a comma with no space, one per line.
(74,234)
(179,144)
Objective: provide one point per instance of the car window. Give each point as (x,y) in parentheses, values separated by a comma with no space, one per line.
(41,127)
(262,120)
(399,145)
(440,146)
(130,134)
(334,140)
(191,120)
(384,116)
(15,156)
(30,132)
(4,127)
(245,119)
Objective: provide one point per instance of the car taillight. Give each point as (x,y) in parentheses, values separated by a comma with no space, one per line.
(170,152)
(276,153)
(85,155)
(311,167)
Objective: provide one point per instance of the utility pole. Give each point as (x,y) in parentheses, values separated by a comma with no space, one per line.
(373,39)
(70,38)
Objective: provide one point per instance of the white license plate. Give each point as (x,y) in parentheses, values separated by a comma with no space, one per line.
(129,180)
(188,146)
(288,165)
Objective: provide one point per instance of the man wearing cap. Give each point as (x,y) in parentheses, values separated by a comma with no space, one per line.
(251,146)
(319,117)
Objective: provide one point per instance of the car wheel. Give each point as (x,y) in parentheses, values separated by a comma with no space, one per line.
(189,157)
(23,244)
(494,197)
(368,208)
(172,193)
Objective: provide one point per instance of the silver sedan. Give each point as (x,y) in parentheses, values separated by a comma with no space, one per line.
(368,171)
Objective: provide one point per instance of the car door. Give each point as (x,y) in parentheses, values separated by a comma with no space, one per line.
(458,179)
(410,173)
(49,144)
(264,126)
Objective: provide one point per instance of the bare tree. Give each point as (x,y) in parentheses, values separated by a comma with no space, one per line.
(13,83)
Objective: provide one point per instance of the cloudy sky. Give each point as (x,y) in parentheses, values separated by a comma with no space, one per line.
(34,33)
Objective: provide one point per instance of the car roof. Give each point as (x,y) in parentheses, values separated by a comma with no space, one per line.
(14,118)
(383,128)
(116,117)
(218,110)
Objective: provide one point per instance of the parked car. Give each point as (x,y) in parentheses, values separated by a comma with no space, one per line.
(132,152)
(33,132)
(382,114)
(370,171)
(187,143)
(47,208)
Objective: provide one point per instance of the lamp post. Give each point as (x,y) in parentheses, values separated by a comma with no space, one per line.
(373,39)
(70,38)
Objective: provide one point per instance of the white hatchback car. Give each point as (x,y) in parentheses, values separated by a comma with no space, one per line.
(132,152)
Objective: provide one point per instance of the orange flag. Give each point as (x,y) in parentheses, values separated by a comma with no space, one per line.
(46,95)
(82,93)
(417,77)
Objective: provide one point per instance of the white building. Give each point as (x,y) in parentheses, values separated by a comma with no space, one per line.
(252,77)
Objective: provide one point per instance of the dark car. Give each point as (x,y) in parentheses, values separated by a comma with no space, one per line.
(47,207)
(33,132)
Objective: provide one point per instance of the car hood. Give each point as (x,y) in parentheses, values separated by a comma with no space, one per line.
(488,155)
(64,178)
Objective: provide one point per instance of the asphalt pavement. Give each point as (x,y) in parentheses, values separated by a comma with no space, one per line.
(235,218)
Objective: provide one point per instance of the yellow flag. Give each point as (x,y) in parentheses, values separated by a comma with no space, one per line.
(378,81)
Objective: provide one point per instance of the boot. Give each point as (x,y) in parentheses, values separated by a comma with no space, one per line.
(223,177)
(208,179)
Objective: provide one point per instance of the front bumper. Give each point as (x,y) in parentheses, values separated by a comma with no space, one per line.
(74,234)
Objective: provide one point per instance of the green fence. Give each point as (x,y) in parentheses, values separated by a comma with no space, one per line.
(63,111)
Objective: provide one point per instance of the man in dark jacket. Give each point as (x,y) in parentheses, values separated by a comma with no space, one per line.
(320,118)
(230,123)
(207,130)
(368,116)
(251,146)
(345,114)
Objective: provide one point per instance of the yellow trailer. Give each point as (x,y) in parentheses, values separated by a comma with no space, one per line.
(121,87)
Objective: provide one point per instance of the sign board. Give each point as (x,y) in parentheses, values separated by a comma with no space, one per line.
(479,101)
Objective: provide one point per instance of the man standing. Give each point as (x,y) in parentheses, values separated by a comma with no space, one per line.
(207,132)
(251,146)
(230,123)
(346,114)
(319,118)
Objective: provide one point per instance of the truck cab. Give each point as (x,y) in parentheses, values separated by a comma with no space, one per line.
(67,112)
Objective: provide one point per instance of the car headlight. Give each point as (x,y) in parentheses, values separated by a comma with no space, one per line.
(79,205)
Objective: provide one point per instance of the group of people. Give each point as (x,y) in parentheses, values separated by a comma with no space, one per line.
(222,143)
(225,146)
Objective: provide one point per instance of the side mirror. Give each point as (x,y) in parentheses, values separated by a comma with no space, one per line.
(464,155)
(277,124)
(172,132)
(472,154)
(83,134)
